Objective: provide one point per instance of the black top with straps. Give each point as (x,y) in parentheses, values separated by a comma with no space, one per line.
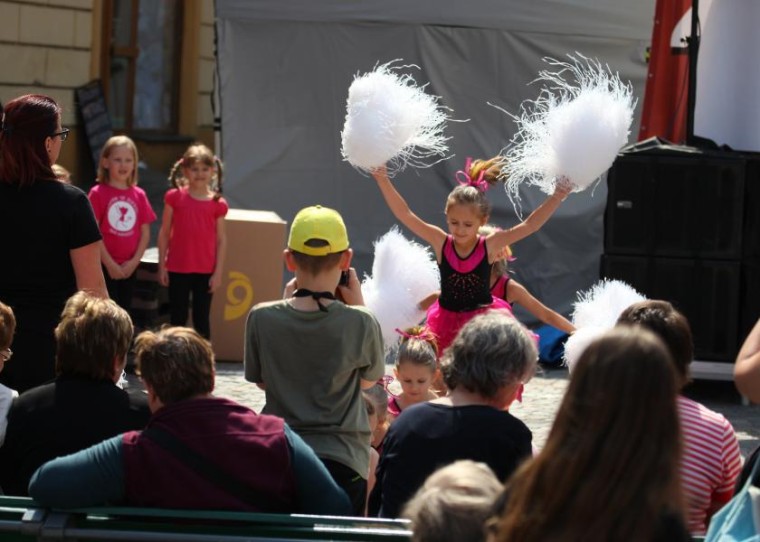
(465,291)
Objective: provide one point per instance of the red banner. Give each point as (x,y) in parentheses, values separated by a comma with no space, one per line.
(665,98)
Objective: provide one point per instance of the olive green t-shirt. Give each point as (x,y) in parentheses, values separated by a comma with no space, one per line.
(311,364)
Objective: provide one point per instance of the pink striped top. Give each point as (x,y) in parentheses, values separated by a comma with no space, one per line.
(710,464)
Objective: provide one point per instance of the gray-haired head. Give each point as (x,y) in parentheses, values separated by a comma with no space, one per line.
(491,351)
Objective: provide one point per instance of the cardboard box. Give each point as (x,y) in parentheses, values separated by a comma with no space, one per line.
(252,274)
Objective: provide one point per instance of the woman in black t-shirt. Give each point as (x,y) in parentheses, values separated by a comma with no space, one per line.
(52,245)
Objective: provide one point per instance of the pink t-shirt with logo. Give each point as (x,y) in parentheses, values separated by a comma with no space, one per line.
(120,214)
(192,240)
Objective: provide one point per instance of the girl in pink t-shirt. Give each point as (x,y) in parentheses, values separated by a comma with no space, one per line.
(124,216)
(191,242)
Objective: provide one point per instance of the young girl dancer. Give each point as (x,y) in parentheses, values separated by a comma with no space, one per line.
(505,287)
(124,216)
(191,242)
(464,257)
(416,368)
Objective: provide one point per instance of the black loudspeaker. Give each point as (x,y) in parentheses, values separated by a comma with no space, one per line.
(707,292)
(676,206)
(684,226)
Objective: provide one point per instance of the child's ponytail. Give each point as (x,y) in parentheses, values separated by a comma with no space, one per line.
(174,174)
(219,174)
(419,345)
(474,180)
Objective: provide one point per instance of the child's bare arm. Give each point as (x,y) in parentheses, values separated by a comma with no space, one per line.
(499,239)
(163,244)
(129,266)
(747,367)
(519,294)
(434,235)
(221,255)
(114,269)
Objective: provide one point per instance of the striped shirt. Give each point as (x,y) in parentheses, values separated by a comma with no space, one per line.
(710,464)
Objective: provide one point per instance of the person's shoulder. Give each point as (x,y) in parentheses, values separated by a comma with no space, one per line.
(695,413)
(34,398)
(60,189)
(95,190)
(359,312)
(138,191)
(173,194)
(269,306)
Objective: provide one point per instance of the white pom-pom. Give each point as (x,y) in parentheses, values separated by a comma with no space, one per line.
(573,130)
(390,120)
(597,311)
(577,343)
(602,305)
(403,274)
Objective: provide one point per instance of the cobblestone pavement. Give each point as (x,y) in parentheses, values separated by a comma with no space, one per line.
(541,399)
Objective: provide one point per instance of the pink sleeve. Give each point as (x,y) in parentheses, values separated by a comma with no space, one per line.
(147,215)
(222,208)
(171,197)
(97,203)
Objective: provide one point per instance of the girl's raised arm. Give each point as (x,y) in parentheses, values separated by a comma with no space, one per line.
(499,239)
(434,235)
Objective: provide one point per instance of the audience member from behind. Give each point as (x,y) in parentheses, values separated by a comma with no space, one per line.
(416,369)
(313,355)
(483,368)
(609,469)
(7,395)
(198,451)
(83,405)
(711,458)
(453,503)
(53,249)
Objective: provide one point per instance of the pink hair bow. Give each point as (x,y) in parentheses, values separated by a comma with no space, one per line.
(424,335)
(463,177)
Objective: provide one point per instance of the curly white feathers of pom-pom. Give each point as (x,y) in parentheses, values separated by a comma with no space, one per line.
(574,129)
(390,120)
(603,303)
(596,311)
(577,343)
(403,274)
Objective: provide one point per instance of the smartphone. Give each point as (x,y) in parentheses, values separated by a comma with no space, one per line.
(343,278)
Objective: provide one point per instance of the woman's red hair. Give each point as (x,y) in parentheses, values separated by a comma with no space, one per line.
(27,122)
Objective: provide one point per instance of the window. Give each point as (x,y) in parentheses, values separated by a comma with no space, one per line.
(141,60)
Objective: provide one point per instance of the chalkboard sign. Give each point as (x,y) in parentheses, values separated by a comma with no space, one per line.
(97,123)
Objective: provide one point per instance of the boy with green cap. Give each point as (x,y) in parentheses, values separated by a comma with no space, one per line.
(313,354)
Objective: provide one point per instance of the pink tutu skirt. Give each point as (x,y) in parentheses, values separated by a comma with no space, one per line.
(446,324)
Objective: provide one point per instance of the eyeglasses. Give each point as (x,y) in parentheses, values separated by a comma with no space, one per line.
(64,133)
(6,354)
